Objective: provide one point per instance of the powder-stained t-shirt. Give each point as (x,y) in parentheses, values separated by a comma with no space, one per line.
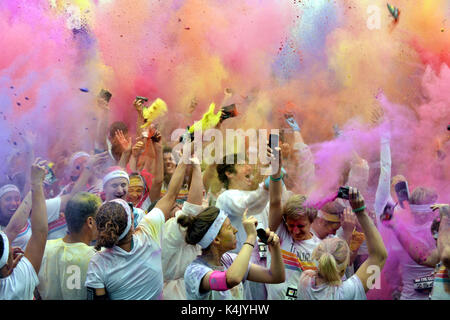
(296,257)
(134,275)
(63,270)
(20,284)
(441,286)
(350,289)
(199,268)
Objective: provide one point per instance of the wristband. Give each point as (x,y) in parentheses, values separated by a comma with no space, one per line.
(359,209)
(276,179)
(249,244)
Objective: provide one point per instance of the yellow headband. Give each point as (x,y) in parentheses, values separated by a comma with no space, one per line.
(135,181)
(329,217)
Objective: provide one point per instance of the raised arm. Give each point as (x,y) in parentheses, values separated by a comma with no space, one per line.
(102,125)
(19,219)
(377,251)
(126,145)
(420,251)
(39,224)
(195,195)
(166,202)
(236,272)
(384,182)
(158,172)
(275,190)
(93,163)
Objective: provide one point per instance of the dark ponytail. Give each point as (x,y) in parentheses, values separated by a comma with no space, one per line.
(197,226)
(111,220)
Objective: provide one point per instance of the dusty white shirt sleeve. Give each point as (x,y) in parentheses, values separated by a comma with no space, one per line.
(236,201)
(384,182)
(176,253)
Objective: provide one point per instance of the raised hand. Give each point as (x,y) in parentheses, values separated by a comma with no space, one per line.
(348,221)
(138,105)
(356,200)
(138,148)
(249,224)
(124,143)
(38,171)
(273,240)
(290,120)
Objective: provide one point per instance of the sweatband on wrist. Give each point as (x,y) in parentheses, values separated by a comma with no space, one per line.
(359,209)
(5,254)
(218,281)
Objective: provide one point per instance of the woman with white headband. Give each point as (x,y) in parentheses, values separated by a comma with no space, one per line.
(217,274)
(129,268)
(332,257)
(18,271)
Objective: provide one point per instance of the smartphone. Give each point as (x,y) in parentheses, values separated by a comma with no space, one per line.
(50,177)
(343,193)
(388,212)
(262,235)
(228,112)
(142,98)
(273,141)
(105,95)
(402,191)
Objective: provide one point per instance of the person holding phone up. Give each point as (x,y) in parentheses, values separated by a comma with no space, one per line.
(217,274)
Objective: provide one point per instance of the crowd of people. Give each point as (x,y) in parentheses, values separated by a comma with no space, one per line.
(132,219)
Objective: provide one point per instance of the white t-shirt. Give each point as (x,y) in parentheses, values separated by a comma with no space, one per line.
(20,284)
(134,275)
(63,270)
(234,202)
(57,226)
(177,254)
(199,268)
(297,258)
(350,289)
(441,286)
(412,270)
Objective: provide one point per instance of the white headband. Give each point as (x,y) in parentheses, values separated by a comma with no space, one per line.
(5,255)
(78,155)
(213,230)
(420,208)
(127,208)
(115,174)
(8,188)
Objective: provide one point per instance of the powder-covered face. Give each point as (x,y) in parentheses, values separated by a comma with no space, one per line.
(169,163)
(227,236)
(299,228)
(9,203)
(116,188)
(77,168)
(242,178)
(136,190)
